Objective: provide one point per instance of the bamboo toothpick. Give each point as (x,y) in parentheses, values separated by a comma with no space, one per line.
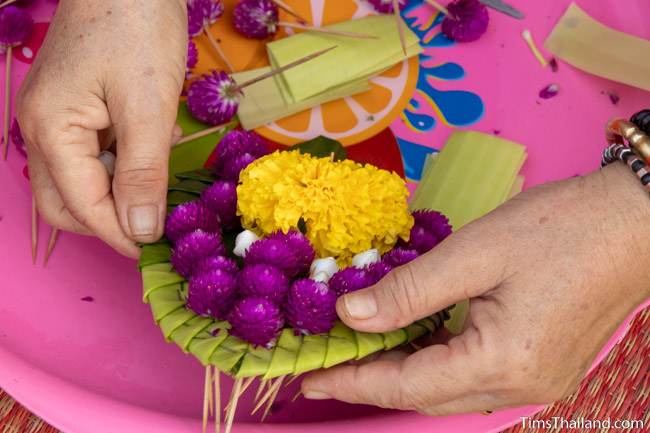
(7,3)
(283,68)
(274,396)
(218,49)
(34,230)
(260,388)
(288,9)
(206,403)
(440,8)
(290,381)
(210,394)
(528,37)
(54,235)
(400,24)
(269,393)
(234,399)
(7,116)
(243,388)
(217,400)
(295,397)
(203,133)
(327,31)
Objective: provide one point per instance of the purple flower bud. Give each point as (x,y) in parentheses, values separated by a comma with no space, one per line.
(188,217)
(16,26)
(221,198)
(192,58)
(213,99)
(421,240)
(257,321)
(212,293)
(236,143)
(378,271)
(399,256)
(264,281)
(271,252)
(201,14)
(311,307)
(256,18)
(350,280)
(471,21)
(386,6)
(232,168)
(223,263)
(193,247)
(301,248)
(17,138)
(433,221)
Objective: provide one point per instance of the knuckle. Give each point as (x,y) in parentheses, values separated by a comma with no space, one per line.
(145,175)
(402,292)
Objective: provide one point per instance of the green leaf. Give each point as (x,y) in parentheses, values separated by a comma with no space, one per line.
(190,186)
(256,362)
(202,175)
(174,198)
(205,344)
(284,355)
(175,320)
(154,254)
(322,147)
(156,276)
(341,345)
(312,354)
(183,336)
(229,353)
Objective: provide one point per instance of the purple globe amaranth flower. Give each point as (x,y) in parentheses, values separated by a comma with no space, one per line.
(301,248)
(264,281)
(378,271)
(386,6)
(17,138)
(469,20)
(213,98)
(193,247)
(256,18)
(201,14)
(236,143)
(212,293)
(214,262)
(311,307)
(192,58)
(188,217)
(256,320)
(429,230)
(221,198)
(233,168)
(16,26)
(350,280)
(271,252)
(399,256)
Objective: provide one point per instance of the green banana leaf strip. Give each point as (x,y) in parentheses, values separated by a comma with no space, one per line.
(284,355)
(202,175)
(183,336)
(256,362)
(157,276)
(312,354)
(341,345)
(154,254)
(205,344)
(394,338)
(368,344)
(190,186)
(229,354)
(175,320)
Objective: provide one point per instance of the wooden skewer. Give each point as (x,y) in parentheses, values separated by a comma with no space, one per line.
(328,31)
(206,402)
(260,388)
(288,9)
(295,397)
(290,381)
(7,3)
(203,133)
(234,399)
(217,401)
(243,388)
(7,117)
(283,68)
(268,394)
(400,24)
(274,396)
(34,230)
(54,235)
(218,49)
(210,393)
(528,37)
(440,8)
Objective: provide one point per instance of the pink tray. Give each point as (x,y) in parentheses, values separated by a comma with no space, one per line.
(103,367)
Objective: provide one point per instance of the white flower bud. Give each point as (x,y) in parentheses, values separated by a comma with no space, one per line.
(325,266)
(243,241)
(366,258)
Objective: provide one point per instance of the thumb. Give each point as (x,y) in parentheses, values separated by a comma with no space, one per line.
(463,266)
(144,134)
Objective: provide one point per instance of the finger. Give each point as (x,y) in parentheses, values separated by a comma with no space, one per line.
(463,266)
(144,134)
(48,200)
(84,185)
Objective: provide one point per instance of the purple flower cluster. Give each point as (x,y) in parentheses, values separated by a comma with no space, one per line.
(193,247)
(191,216)
(213,98)
(386,6)
(469,20)
(256,18)
(256,320)
(311,307)
(201,14)
(429,230)
(192,58)
(235,151)
(16,26)
(221,198)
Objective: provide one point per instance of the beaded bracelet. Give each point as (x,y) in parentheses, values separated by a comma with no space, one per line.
(636,152)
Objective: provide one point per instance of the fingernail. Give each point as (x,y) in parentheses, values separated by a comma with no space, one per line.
(317,395)
(143,220)
(360,305)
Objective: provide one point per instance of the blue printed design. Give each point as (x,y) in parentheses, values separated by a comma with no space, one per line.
(414,156)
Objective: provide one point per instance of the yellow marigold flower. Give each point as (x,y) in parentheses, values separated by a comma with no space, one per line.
(347,207)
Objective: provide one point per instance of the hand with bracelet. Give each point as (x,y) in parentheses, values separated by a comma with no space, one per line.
(550,276)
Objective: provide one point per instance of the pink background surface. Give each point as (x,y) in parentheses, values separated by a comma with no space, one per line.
(104,367)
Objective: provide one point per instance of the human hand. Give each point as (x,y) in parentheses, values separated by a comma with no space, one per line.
(551,274)
(108,70)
